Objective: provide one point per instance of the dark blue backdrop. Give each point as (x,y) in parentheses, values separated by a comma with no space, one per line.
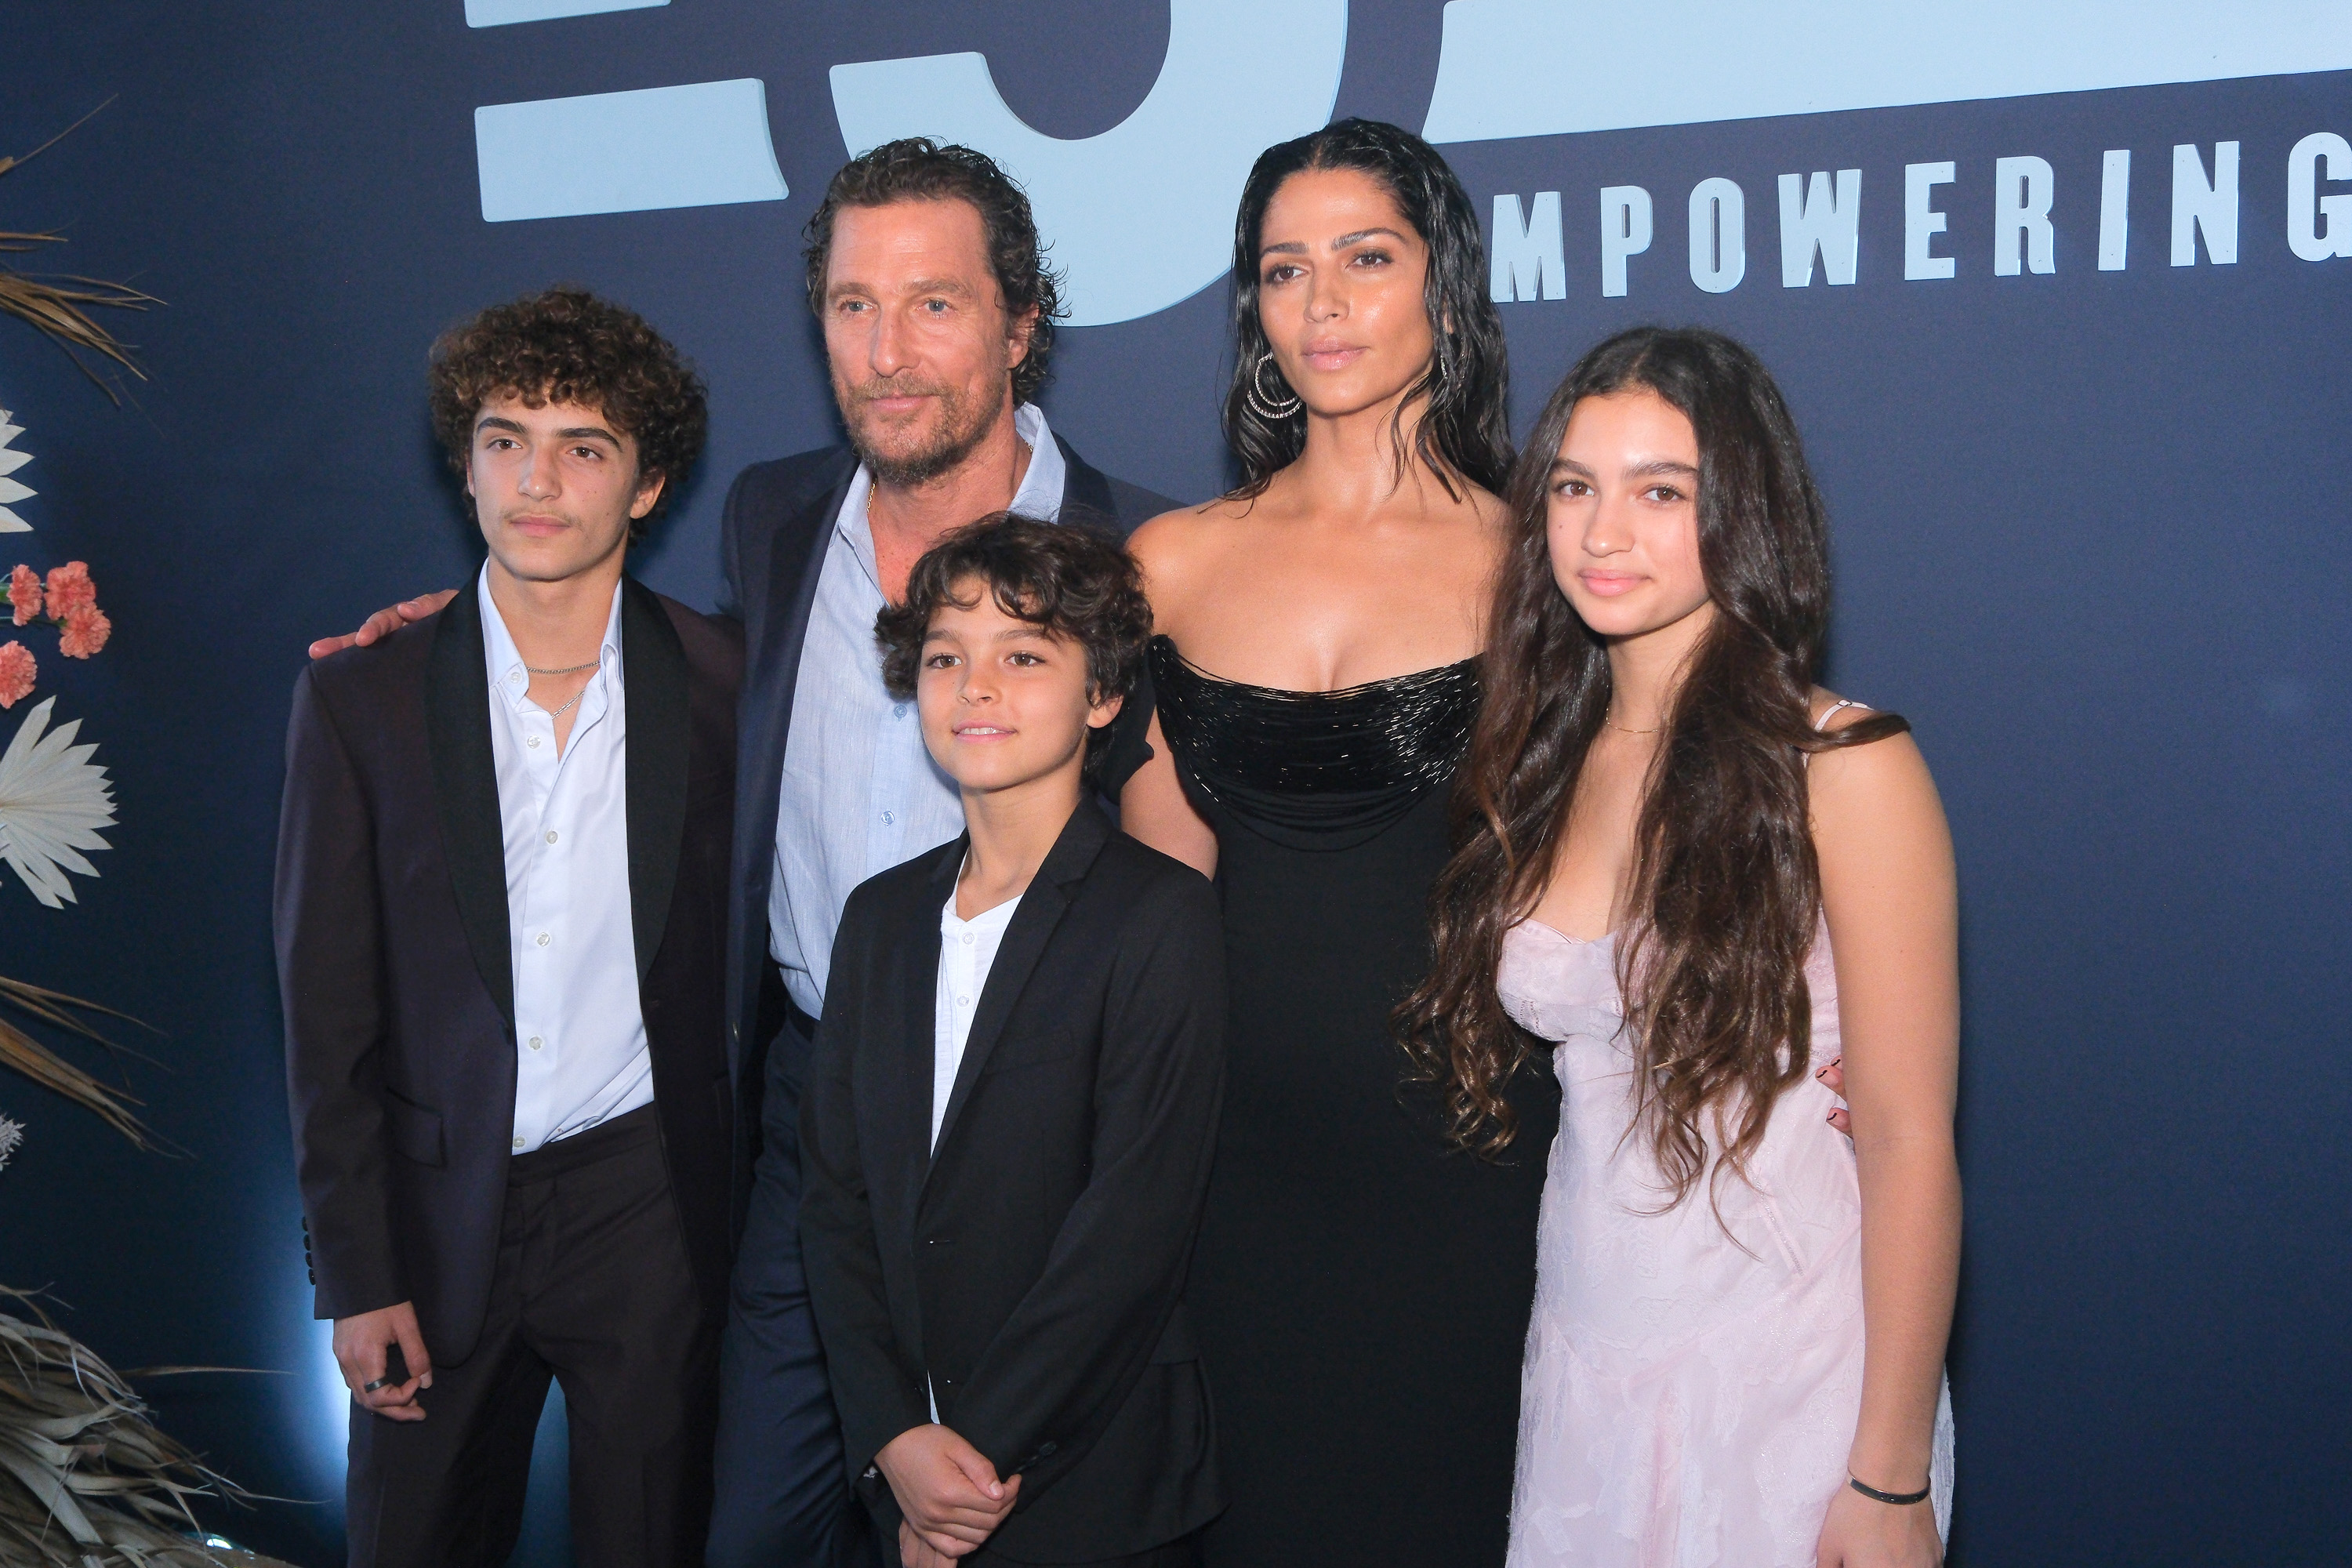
(2091,534)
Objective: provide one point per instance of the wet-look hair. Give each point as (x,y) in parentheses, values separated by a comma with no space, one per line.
(1725,894)
(1076,585)
(1465,428)
(566,345)
(918,169)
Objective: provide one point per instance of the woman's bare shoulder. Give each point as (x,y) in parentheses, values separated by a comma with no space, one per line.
(1888,773)
(1176,548)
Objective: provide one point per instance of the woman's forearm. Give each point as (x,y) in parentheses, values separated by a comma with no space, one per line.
(1910,1275)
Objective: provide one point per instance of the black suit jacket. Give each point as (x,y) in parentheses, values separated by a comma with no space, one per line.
(772,539)
(1033,1269)
(394,969)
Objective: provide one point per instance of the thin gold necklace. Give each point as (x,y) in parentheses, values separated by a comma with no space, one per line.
(1623,731)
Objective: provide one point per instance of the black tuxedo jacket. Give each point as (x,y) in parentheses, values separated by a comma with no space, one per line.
(772,539)
(394,969)
(1033,1269)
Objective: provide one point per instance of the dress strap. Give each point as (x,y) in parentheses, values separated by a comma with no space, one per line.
(1837,707)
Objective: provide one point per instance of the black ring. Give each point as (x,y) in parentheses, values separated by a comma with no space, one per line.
(1898,1498)
(380,1382)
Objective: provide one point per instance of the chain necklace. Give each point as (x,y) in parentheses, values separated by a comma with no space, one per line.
(567,670)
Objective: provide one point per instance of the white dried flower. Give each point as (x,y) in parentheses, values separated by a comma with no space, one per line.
(12,1134)
(52,801)
(12,490)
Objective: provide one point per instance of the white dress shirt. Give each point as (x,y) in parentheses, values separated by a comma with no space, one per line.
(860,794)
(581,1055)
(967,952)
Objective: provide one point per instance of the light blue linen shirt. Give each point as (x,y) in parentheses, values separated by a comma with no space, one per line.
(860,793)
(580,1052)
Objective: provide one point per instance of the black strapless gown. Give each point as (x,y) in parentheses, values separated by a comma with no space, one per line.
(1363,1289)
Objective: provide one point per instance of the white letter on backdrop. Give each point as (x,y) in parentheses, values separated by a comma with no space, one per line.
(2022,193)
(2115,208)
(2318,227)
(2197,204)
(1526,255)
(1819,218)
(1624,231)
(1921,223)
(1719,234)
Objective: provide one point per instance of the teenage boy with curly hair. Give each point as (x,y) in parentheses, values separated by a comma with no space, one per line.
(1006,1132)
(501,917)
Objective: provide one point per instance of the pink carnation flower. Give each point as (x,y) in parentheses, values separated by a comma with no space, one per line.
(84,633)
(70,589)
(16,671)
(25,594)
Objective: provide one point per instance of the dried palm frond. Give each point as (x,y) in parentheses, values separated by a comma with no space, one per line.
(50,1070)
(86,1478)
(54,306)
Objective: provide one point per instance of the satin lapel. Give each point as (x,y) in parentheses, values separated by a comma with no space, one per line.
(465,790)
(654,680)
(1041,910)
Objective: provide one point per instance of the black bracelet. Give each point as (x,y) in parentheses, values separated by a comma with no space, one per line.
(1899,1499)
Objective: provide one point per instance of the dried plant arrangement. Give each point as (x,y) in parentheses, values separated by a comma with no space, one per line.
(58,306)
(45,1066)
(86,1478)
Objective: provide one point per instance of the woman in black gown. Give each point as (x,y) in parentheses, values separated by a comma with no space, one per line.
(1363,1293)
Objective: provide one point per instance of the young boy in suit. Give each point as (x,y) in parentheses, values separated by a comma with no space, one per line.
(1007,1131)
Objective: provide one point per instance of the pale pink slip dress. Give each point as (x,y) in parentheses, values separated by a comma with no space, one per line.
(1691,1381)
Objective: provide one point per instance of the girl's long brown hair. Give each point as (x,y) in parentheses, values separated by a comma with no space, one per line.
(1725,891)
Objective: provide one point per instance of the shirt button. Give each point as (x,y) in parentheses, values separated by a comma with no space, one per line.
(889,820)
(897,710)
(518,1143)
(551,836)
(536,1042)
(516,675)
(963,1001)
(533,741)
(967,939)
(544,939)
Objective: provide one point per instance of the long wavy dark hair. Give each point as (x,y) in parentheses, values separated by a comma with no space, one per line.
(1466,427)
(1727,891)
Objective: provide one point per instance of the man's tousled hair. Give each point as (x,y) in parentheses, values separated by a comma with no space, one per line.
(918,169)
(565,345)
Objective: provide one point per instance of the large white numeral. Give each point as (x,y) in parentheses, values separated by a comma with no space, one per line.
(1142,216)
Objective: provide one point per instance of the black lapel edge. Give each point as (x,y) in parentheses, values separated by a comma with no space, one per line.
(764,726)
(917,978)
(1084,490)
(465,790)
(654,678)
(1034,923)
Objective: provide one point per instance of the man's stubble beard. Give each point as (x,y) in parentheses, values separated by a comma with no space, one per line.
(958,434)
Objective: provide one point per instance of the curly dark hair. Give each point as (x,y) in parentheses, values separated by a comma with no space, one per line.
(1079,584)
(566,345)
(1465,428)
(918,169)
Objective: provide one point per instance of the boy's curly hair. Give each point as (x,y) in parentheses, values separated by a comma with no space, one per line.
(1079,586)
(918,169)
(566,345)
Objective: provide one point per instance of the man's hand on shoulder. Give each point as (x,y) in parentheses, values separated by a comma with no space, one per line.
(948,1490)
(386,622)
(362,1347)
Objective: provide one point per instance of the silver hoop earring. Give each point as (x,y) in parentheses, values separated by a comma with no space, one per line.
(1266,406)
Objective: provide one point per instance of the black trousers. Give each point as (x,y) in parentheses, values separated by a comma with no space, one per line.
(592,1289)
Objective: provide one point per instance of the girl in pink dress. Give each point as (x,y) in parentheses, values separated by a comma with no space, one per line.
(1704,882)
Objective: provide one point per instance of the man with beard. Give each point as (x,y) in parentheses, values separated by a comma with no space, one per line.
(924,266)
